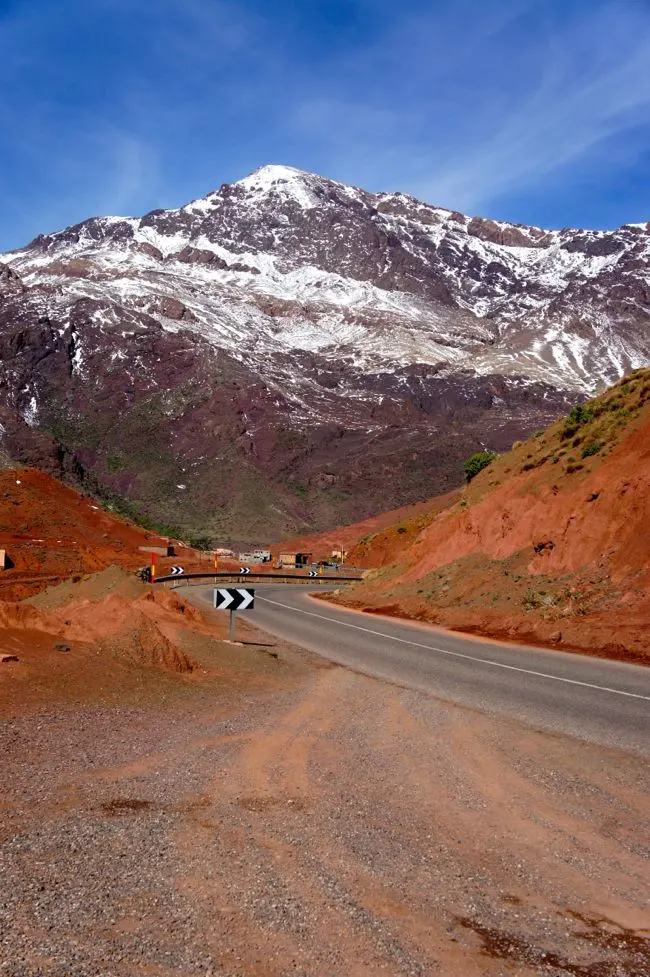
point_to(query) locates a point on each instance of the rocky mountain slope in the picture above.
(266, 358)
(547, 544)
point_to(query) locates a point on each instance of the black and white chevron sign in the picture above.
(313, 573)
(176, 571)
(244, 570)
(234, 599)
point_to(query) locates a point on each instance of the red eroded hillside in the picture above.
(51, 532)
(550, 543)
(357, 539)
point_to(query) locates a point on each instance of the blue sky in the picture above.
(529, 110)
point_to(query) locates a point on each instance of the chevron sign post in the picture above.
(176, 571)
(233, 599)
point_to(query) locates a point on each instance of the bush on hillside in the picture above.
(579, 415)
(200, 542)
(592, 448)
(477, 462)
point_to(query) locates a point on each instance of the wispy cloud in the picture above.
(131, 164)
(125, 105)
(593, 86)
(465, 109)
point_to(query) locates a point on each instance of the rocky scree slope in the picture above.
(266, 358)
(548, 544)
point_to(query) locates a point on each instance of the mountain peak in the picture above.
(272, 173)
(286, 181)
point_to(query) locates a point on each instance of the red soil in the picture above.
(349, 538)
(545, 546)
(51, 532)
(103, 635)
(594, 519)
(111, 638)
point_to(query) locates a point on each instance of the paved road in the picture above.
(593, 699)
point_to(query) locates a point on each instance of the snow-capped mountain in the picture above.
(358, 324)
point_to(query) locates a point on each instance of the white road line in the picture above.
(457, 654)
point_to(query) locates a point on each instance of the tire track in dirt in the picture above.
(271, 784)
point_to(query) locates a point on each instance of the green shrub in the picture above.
(592, 448)
(580, 414)
(477, 462)
(200, 542)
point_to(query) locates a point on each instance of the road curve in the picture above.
(601, 701)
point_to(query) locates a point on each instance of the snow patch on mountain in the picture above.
(285, 262)
(285, 181)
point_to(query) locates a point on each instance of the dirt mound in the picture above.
(51, 532)
(142, 643)
(141, 630)
(113, 580)
(549, 543)
(108, 621)
(116, 613)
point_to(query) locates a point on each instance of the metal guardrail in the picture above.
(258, 577)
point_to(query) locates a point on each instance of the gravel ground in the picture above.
(315, 823)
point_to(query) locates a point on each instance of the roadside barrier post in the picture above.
(232, 626)
(153, 567)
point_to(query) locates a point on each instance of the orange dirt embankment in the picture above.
(368, 543)
(548, 544)
(51, 532)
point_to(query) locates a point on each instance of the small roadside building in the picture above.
(294, 559)
(255, 556)
(263, 556)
